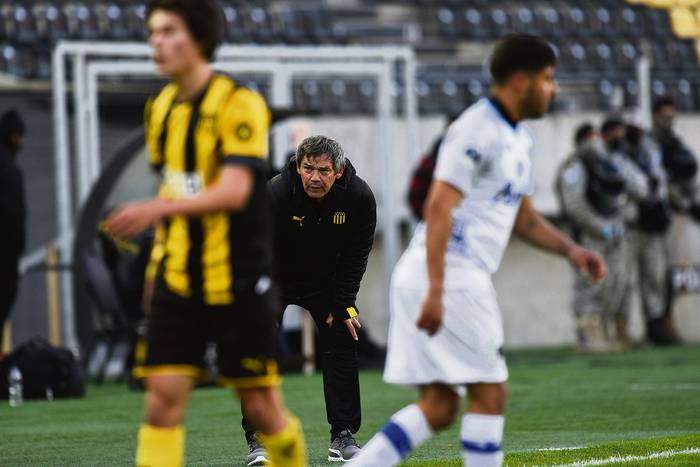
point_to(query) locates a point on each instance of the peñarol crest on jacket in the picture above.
(339, 217)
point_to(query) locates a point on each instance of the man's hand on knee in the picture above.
(351, 323)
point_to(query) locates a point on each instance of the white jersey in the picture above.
(488, 159)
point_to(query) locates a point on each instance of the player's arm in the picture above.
(532, 227)
(442, 198)
(230, 193)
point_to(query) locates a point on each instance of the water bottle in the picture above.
(15, 390)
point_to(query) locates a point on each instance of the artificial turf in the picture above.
(632, 404)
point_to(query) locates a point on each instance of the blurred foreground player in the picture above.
(446, 331)
(208, 138)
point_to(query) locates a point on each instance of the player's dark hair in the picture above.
(319, 145)
(583, 132)
(520, 52)
(610, 124)
(661, 102)
(204, 19)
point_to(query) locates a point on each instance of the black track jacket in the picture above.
(323, 246)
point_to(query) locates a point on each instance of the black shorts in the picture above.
(179, 330)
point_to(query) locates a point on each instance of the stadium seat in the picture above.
(574, 56)
(20, 25)
(475, 89)
(335, 96)
(258, 25)
(659, 3)
(606, 91)
(112, 22)
(631, 93)
(626, 53)
(523, 20)
(684, 95)
(317, 23)
(657, 23)
(599, 19)
(658, 88)
(366, 96)
(601, 55)
(81, 21)
(290, 26)
(684, 22)
(306, 94)
(22, 61)
(423, 95)
(474, 23)
(500, 22)
(575, 21)
(136, 20)
(235, 26)
(447, 22)
(50, 21)
(434, 101)
(7, 53)
(548, 20)
(674, 55)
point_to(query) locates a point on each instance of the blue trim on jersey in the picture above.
(398, 438)
(484, 448)
(501, 110)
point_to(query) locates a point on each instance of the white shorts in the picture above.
(468, 348)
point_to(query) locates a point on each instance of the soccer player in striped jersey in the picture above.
(212, 258)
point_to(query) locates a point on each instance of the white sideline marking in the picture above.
(563, 448)
(654, 386)
(615, 459)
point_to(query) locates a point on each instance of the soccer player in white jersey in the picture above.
(446, 332)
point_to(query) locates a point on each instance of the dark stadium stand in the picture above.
(599, 41)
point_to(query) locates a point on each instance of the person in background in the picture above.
(592, 193)
(325, 217)
(12, 212)
(679, 162)
(423, 174)
(650, 229)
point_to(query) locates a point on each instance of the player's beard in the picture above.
(535, 105)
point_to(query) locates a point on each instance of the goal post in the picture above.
(91, 61)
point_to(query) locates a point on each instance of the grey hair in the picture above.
(319, 145)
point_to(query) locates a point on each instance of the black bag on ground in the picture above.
(45, 369)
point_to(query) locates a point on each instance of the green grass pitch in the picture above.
(641, 407)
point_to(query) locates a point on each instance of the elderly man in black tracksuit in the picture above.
(325, 219)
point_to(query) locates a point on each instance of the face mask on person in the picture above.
(615, 145)
(664, 122)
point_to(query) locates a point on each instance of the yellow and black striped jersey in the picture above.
(213, 255)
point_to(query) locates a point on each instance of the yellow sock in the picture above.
(160, 447)
(288, 447)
